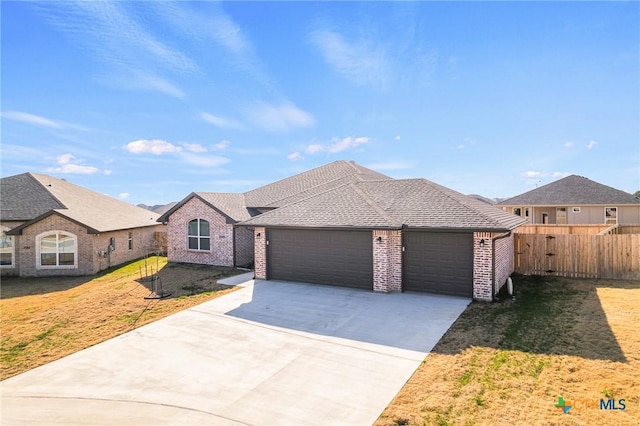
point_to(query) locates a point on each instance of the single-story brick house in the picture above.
(202, 229)
(51, 227)
(575, 200)
(388, 235)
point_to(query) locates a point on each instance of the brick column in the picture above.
(387, 260)
(260, 250)
(482, 273)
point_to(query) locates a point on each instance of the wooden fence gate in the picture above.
(582, 256)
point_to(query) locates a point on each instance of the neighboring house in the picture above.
(201, 228)
(575, 200)
(52, 227)
(388, 235)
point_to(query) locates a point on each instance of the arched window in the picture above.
(57, 249)
(199, 236)
(7, 251)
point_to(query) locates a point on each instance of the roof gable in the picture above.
(97, 212)
(572, 190)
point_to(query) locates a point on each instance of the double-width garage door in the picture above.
(438, 262)
(343, 258)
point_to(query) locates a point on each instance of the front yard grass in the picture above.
(44, 319)
(507, 363)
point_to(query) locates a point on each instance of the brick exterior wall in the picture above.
(387, 260)
(483, 278)
(504, 258)
(482, 266)
(88, 261)
(221, 234)
(244, 246)
(260, 249)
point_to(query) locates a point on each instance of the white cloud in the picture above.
(222, 145)
(280, 118)
(294, 156)
(532, 174)
(154, 146)
(107, 172)
(27, 118)
(223, 123)
(315, 148)
(194, 147)
(124, 195)
(558, 175)
(397, 138)
(461, 146)
(38, 120)
(69, 164)
(591, 145)
(338, 145)
(358, 61)
(568, 144)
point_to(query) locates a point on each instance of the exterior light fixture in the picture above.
(258, 235)
(379, 240)
(482, 242)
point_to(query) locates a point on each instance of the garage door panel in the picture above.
(439, 262)
(321, 256)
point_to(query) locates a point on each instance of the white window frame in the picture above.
(199, 237)
(130, 240)
(576, 209)
(57, 233)
(8, 245)
(606, 220)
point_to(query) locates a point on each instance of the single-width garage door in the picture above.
(438, 262)
(343, 258)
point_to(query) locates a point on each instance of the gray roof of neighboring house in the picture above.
(24, 198)
(572, 190)
(416, 203)
(239, 207)
(31, 196)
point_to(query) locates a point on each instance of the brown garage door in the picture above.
(438, 262)
(343, 258)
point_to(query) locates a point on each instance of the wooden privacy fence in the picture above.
(612, 256)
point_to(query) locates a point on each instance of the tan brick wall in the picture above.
(482, 266)
(143, 245)
(221, 252)
(260, 250)
(89, 261)
(387, 260)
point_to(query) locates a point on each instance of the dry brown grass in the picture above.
(44, 319)
(507, 363)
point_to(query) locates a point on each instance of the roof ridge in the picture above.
(46, 188)
(367, 198)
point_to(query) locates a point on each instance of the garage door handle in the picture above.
(403, 248)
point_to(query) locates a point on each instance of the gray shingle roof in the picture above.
(97, 212)
(23, 197)
(415, 203)
(311, 182)
(572, 190)
(290, 190)
(230, 204)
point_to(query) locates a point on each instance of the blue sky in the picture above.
(149, 101)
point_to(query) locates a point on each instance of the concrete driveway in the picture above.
(270, 353)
